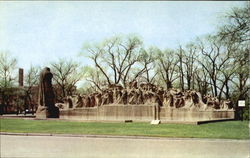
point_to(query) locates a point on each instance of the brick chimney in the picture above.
(20, 79)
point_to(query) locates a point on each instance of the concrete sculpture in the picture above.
(46, 96)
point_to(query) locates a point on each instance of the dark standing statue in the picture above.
(46, 96)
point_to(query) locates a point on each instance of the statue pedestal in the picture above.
(53, 112)
(45, 112)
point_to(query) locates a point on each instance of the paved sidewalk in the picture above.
(74, 146)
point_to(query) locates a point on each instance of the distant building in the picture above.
(19, 99)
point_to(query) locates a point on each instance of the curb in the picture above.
(118, 121)
(121, 137)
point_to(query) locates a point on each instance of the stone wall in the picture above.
(110, 113)
(141, 113)
(167, 114)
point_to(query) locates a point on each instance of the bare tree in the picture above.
(7, 66)
(146, 67)
(180, 55)
(214, 57)
(227, 73)
(167, 66)
(189, 64)
(237, 28)
(32, 77)
(202, 81)
(118, 56)
(31, 80)
(66, 75)
(236, 33)
(95, 77)
(241, 63)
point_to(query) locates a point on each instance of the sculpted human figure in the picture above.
(146, 98)
(110, 97)
(160, 92)
(124, 97)
(134, 84)
(69, 102)
(132, 96)
(166, 98)
(150, 94)
(105, 97)
(178, 102)
(92, 100)
(88, 101)
(195, 97)
(84, 100)
(226, 105)
(216, 103)
(79, 101)
(117, 94)
(46, 96)
(140, 99)
(98, 98)
(143, 86)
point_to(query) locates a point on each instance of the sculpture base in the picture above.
(53, 112)
(45, 112)
(142, 113)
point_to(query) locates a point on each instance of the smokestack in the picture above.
(20, 79)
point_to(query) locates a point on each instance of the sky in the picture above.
(37, 33)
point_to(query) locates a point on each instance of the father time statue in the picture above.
(46, 97)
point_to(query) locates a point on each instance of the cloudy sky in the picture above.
(40, 32)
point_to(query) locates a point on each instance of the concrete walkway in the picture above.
(90, 146)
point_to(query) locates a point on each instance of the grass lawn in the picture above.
(228, 130)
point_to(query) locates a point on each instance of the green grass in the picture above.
(228, 130)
